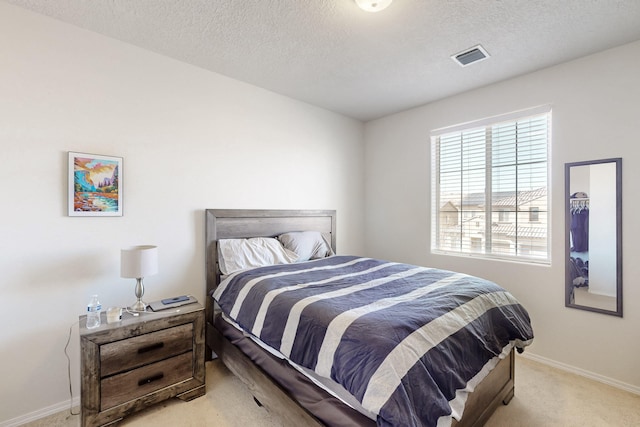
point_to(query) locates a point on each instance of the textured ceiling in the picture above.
(365, 65)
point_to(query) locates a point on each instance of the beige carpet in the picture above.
(544, 397)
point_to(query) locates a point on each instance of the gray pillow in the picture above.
(306, 244)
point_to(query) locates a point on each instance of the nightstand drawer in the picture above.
(138, 351)
(130, 385)
(143, 360)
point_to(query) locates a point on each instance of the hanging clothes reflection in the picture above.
(579, 222)
(579, 262)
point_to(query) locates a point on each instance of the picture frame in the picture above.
(95, 185)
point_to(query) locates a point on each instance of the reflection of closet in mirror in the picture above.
(592, 209)
(579, 239)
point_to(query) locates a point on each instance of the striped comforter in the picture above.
(408, 342)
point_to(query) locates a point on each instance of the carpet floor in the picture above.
(544, 396)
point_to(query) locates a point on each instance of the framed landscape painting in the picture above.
(95, 185)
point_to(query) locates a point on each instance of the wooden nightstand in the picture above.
(140, 361)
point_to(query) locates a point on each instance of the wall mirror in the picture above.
(593, 197)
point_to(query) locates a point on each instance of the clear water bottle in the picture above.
(93, 312)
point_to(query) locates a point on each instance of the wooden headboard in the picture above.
(244, 223)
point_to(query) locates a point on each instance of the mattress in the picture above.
(319, 400)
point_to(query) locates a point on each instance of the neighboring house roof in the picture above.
(449, 206)
(523, 197)
(501, 198)
(523, 231)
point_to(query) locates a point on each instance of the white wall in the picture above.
(595, 115)
(190, 140)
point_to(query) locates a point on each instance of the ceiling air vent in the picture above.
(470, 56)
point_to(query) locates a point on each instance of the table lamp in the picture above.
(137, 262)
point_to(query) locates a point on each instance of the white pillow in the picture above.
(240, 254)
(307, 244)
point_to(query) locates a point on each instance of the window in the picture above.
(493, 175)
(534, 214)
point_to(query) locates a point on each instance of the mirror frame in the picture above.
(567, 195)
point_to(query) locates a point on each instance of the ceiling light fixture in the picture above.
(373, 5)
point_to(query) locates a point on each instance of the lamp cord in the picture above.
(66, 347)
(69, 369)
(133, 313)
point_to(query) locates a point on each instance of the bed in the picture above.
(287, 389)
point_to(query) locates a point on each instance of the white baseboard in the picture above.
(582, 372)
(41, 413)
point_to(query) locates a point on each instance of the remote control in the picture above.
(174, 300)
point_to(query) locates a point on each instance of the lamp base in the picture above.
(138, 306)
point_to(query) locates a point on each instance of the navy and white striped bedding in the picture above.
(404, 340)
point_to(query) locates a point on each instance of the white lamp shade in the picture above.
(139, 261)
(373, 5)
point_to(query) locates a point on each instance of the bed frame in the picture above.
(495, 389)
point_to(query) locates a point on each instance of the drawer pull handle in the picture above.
(151, 379)
(151, 347)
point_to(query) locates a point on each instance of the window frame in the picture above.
(519, 255)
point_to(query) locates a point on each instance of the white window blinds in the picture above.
(487, 180)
